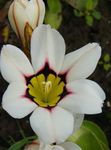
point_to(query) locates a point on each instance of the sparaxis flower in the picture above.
(25, 16)
(54, 87)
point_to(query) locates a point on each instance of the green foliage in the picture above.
(85, 4)
(90, 137)
(89, 20)
(89, 5)
(53, 13)
(78, 13)
(106, 58)
(53, 19)
(106, 62)
(96, 14)
(20, 144)
(87, 9)
(54, 6)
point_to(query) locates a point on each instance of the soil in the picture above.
(76, 34)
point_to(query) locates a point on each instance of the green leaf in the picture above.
(53, 13)
(78, 13)
(106, 57)
(18, 145)
(89, 5)
(90, 137)
(95, 3)
(54, 6)
(54, 19)
(107, 67)
(101, 63)
(96, 131)
(83, 5)
(89, 20)
(96, 14)
(80, 4)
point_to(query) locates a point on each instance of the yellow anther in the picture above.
(47, 86)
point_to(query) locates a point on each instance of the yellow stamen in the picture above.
(46, 91)
(47, 86)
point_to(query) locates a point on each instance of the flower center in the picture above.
(46, 91)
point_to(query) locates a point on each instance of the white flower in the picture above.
(26, 15)
(54, 87)
(36, 145)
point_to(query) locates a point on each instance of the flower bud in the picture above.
(25, 16)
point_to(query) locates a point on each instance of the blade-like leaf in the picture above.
(90, 137)
(18, 145)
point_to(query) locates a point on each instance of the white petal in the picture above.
(11, 18)
(78, 120)
(14, 64)
(42, 11)
(35, 12)
(41, 123)
(70, 146)
(52, 125)
(19, 19)
(63, 124)
(50, 147)
(72, 57)
(15, 102)
(63, 146)
(47, 45)
(86, 97)
(82, 62)
(56, 147)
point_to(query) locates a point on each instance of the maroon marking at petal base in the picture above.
(46, 70)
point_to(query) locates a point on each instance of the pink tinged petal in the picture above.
(47, 45)
(14, 101)
(82, 62)
(70, 146)
(87, 97)
(14, 64)
(52, 125)
(33, 146)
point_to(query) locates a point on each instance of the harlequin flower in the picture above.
(36, 145)
(53, 86)
(25, 16)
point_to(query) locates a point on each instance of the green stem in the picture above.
(20, 129)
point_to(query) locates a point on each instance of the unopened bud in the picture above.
(25, 16)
